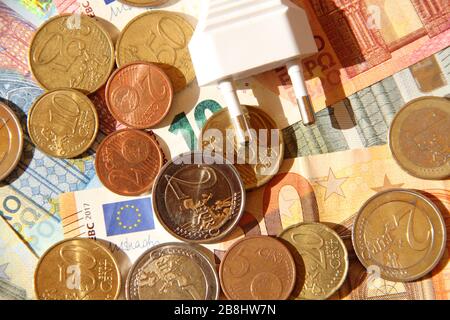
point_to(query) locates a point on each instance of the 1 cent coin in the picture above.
(63, 123)
(321, 260)
(128, 161)
(419, 138)
(11, 141)
(257, 268)
(258, 161)
(401, 232)
(197, 199)
(172, 271)
(164, 42)
(71, 51)
(77, 269)
(139, 95)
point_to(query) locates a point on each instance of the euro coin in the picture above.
(63, 123)
(256, 162)
(321, 260)
(139, 95)
(197, 198)
(71, 51)
(401, 233)
(11, 141)
(159, 37)
(257, 268)
(173, 271)
(128, 161)
(77, 269)
(419, 138)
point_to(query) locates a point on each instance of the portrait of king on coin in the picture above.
(63, 123)
(198, 202)
(71, 51)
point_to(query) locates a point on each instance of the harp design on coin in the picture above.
(166, 273)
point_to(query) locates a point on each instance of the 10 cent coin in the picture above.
(63, 123)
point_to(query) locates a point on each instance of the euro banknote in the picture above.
(360, 42)
(17, 264)
(28, 196)
(329, 188)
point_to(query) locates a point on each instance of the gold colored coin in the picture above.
(160, 37)
(419, 138)
(11, 141)
(144, 3)
(63, 123)
(401, 233)
(257, 162)
(71, 51)
(321, 260)
(77, 269)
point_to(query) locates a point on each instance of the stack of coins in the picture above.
(199, 197)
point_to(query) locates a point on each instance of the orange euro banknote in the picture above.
(361, 42)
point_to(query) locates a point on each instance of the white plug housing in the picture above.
(236, 39)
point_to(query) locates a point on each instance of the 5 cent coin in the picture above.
(321, 260)
(173, 271)
(11, 141)
(77, 269)
(401, 232)
(197, 199)
(164, 42)
(139, 95)
(419, 138)
(128, 161)
(63, 123)
(71, 51)
(257, 268)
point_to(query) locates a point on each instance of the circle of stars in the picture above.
(131, 226)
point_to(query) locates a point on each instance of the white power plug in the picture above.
(236, 39)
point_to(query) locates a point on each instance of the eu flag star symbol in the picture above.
(128, 216)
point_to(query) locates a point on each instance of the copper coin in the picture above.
(173, 271)
(139, 95)
(419, 138)
(128, 161)
(401, 233)
(11, 141)
(257, 268)
(198, 198)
